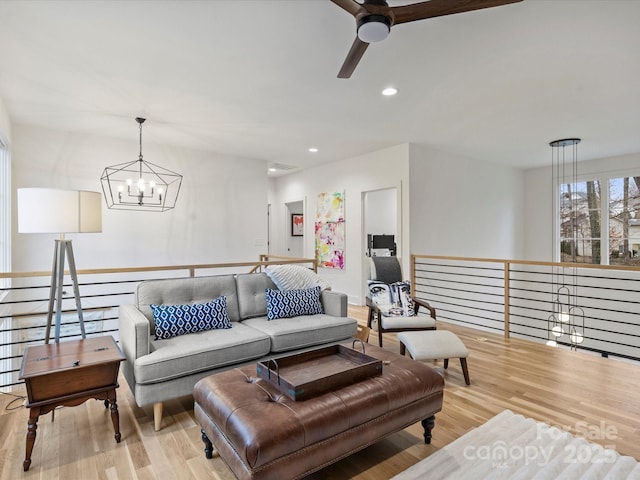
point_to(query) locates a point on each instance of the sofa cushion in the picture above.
(293, 303)
(251, 294)
(198, 352)
(174, 320)
(304, 331)
(176, 291)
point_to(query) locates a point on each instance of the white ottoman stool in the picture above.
(433, 345)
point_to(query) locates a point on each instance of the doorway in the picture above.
(294, 229)
(380, 213)
(379, 217)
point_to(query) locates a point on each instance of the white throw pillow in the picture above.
(295, 277)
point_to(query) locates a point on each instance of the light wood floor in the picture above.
(595, 397)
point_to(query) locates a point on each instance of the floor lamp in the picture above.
(48, 210)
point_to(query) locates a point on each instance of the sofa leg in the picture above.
(157, 415)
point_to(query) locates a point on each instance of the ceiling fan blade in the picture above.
(439, 8)
(353, 58)
(351, 6)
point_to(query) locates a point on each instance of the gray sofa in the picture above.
(159, 370)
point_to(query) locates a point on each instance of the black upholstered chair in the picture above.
(388, 271)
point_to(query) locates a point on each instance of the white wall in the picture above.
(538, 244)
(449, 205)
(464, 207)
(388, 168)
(220, 216)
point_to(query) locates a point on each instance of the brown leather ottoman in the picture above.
(262, 434)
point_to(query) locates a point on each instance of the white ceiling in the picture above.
(257, 78)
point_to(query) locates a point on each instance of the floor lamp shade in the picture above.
(50, 210)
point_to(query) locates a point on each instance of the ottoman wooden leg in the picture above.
(465, 370)
(446, 363)
(428, 424)
(208, 446)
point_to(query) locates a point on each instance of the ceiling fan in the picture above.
(374, 19)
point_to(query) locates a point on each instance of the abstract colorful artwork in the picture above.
(330, 207)
(330, 230)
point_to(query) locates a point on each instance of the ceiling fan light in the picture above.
(373, 28)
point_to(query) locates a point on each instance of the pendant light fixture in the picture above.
(140, 185)
(565, 325)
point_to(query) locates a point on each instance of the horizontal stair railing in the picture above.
(24, 299)
(516, 298)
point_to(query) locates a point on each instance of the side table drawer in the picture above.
(70, 382)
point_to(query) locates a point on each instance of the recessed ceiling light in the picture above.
(389, 91)
(271, 169)
(313, 150)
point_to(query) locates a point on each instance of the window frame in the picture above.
(603, 178)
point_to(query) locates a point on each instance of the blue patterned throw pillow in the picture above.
(292, 303)
(174, 320)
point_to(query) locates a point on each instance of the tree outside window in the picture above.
(624, 221)
(583, 231)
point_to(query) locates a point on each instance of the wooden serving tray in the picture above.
(311, 373)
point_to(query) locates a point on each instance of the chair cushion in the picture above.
(393, 300)
(293, 303)
(173, 320)
(412, 322)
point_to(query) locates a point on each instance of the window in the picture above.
(600, 221)
(624, 221)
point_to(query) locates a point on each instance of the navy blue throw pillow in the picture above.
(292, 303)
(174, 320)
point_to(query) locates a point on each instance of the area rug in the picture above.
(513, 447)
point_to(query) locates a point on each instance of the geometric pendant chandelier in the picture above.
(565, 324)
(140, 185)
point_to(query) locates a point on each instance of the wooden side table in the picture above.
(70, 373)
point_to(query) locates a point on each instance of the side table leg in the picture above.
(32, 426)
(428, 424)
(115, 416)
(208, 446)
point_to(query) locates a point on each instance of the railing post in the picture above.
(413, 273)
(507, 269)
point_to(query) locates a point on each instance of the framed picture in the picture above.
(297, 225)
